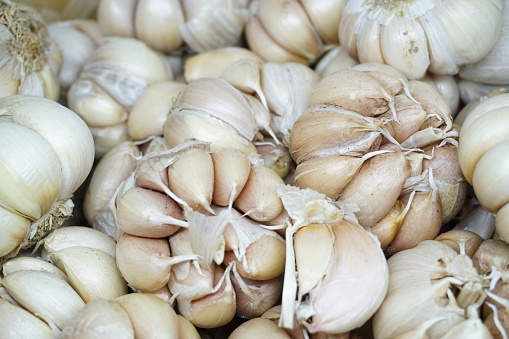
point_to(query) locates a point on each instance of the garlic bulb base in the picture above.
(60, 211)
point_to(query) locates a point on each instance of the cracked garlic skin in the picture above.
(30, 60)
(417, 35)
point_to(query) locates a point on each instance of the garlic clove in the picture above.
(258, 328)
(150, 316)
(264, 45)
(334, 60)
(186, 329)
(313, 246)
(99, 319)
(16, 322)
(32, 264)
(325, 17)
(432, 102)
(149, 214)
(213, 63)
(275, 156)
(150, 111)
(502, 221)
(410, 115)
(460, 240)
(368, 42)
(156, 23)
(388, 227)
(259, 198)
(191, 178)
(14, 229)
(44, 293)
(92, 273)
(71, 236)
(244, 75)
(448, 88)
(116, 17)
(231, 172)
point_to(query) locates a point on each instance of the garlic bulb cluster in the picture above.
(111, 81)
(79, 266)
(189, 224)
(46, 153)
(271, 28)
(170, 24)
(336, 274)
(437, 292)
(135, 315)
(385, 147)
(30, 59)
(492, 71)
(420, 35)
(76, 39)
(482, 148)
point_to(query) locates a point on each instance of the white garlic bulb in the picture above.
(45, 155)
(414, 36)
(30, 59)
(166, 25)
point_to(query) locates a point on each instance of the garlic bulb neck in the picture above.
(27, 36)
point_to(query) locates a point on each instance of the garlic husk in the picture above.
(254, 297)
(213, 63)
(71, 236)
(30, 59)
(479, 221)
(16, 322)
(76, 39)
(275, 156)
(32, 264)
(258, 198)
(92, 273)
(44, 293)
(146, 213)
(146, 263)
(258, 328)
(99, 318)
(150, 111)
(415, 37)
(109, 173)
(150, 316)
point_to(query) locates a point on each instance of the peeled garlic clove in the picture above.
(109, 173)
(258, 328)
(44, 293)
(99, 319)
(14, 229)
(146, 263)
(191, 178)
(377, 186)
(16, 322)
(213, 63)
(231, 172)
(92, 273)
(32, 264)
(71, 236)
(150, 214)
(150, 111)
(259, 198)
(150, 316)
(186, 329)
(254, 297)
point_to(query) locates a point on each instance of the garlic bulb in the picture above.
(63, 10)
(385, 153)
(167, 25)
(30, 59)
(483, 139)
(270, 31)
(46, 154)
(77, 39)
(111, 81)
(417, 36)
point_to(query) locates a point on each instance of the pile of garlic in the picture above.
(30, 59)
(42, 295)
(46, 153)
(384, 147)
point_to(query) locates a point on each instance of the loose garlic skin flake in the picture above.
(414, 36)
(46, 154)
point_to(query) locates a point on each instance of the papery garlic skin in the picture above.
(30, 59)
(47, 153)
(416, 36)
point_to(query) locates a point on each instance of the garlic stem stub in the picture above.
(416, 36)
(30, 60)
(46, 154)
